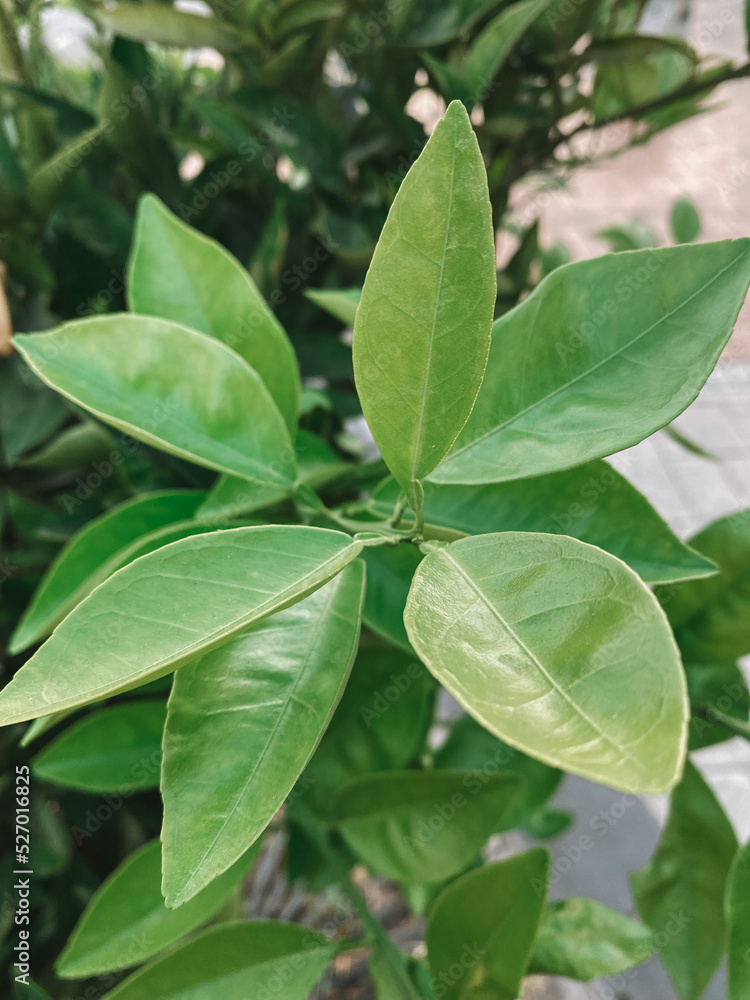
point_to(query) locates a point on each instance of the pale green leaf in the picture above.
(243, 722)
(179, 274)
(422, 330)
(680, 892)
(235, 962)
(738, 922)
(169, 386)
(423, 826)
(601, 354)
(170, 606)
(341, 303)
(83, 562)
(584, 939)
(594, 503)
(559, 649)
(127, 921)
(482, 927)
(115, 750)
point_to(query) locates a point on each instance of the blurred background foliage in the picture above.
(283, 129)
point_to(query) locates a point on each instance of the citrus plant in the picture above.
(303, 611)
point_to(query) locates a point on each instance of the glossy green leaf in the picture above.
(423, 826)
(685, 221)
(594, 503)
(484, 925)
(169, 386)
(174, 273)
(84, 562)
(168, 607)
(560, 650)
(243, 723)
(389, 574)
(422, 330)
(680, 892)
(234, 962)
(127, 922)
(711, 618)
(738, 923)
(567, 364)
(115, 750)
(340, 303)
(155, 22)
(583, 939)
(381, 722)
(471, 747)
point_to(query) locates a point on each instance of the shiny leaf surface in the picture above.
(243, 722)
(567, 364)
(560, 650)
(150, 617)
(422, 330)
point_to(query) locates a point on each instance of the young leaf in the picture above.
(583, 939)
(559, 649)
(127, 922)
(234, 962)
(472, 748)
(680, 892)
(175, 272)
(243, 722)
(593, 503)
(115, 750)
(482, 927)
(423, 826)
(422, 330)
(169, 386)
(567, 365)
(738, 922)
(69, 578)
(711, 618)
(168, 607)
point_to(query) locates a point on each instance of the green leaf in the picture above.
(560, 650)
(168, 607)
(381, 721)
(594, 503)
(680, 892)
(174, 273)
(711, 618)
(484, 924)
(422, 330)
(155, 22)
(243, 722)
(493, 45)
(74, 446)
(234, 962)
(583, 939)
(340, 303)
(127, 922)
(29, 412)
(567, 364)
(469, 747)
(115, 750)
(423, 826)
(685, 221)
(389, 574)
(738, 922)
(92, 555)
(169, 386)
(47, 183)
